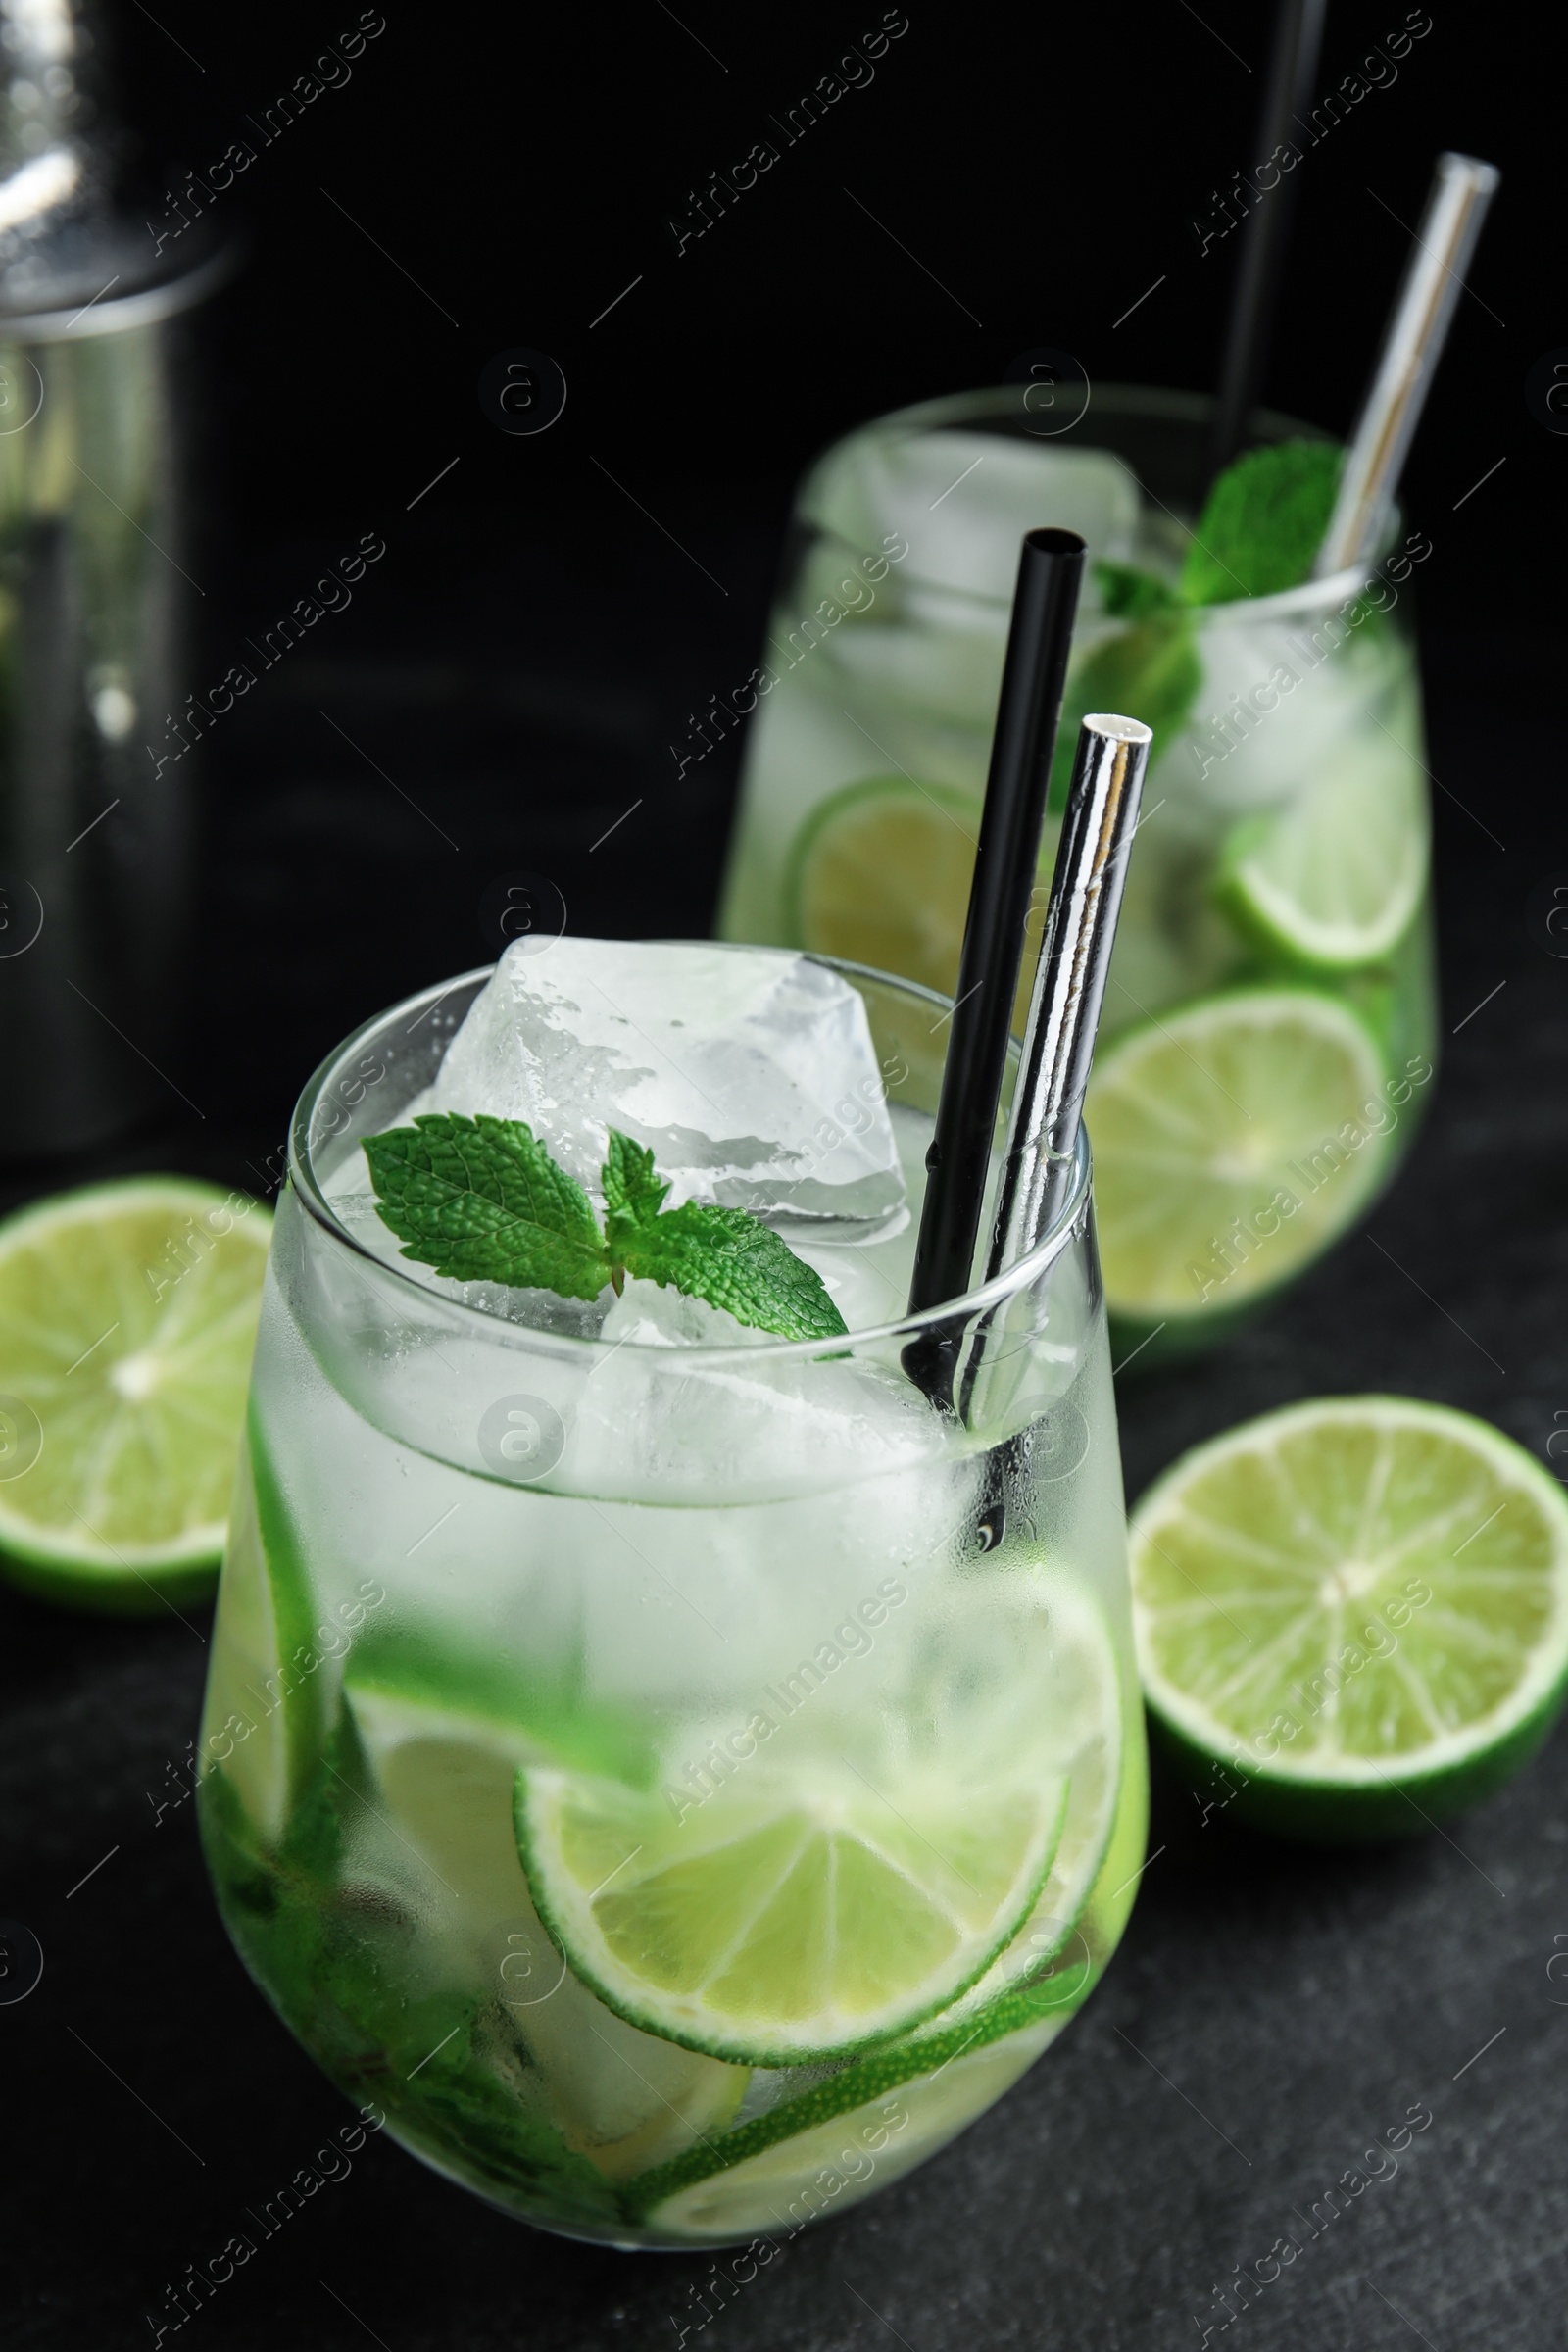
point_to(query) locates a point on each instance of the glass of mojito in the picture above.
(667, 1769)
(1268, 1032)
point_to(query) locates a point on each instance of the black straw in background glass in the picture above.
(1293, 65)
(1045, 603)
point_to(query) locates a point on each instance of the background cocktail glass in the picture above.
(483, 1575)
(1298, 1014)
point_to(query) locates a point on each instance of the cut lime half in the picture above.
(1234, 1140)
(127, 1313)
(1352, 1615)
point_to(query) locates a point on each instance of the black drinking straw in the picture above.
(1050, 570)
(1293, 64)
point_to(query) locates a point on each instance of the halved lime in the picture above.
(1234, 1140)
(1335, 879)
(127, 1313)
(881, 875)
(1352, 1615)
(445, 1779)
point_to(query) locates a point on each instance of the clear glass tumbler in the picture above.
(1269, 1025)
(676, 1789)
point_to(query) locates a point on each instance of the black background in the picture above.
(511, 675)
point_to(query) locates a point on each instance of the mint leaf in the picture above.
(733, 1260)
(480, 1200)
(1130, 593)
(1261, 526)
(1262, 522)
(633, 1193)
(724, 1256)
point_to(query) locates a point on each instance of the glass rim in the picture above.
(979, 1301)
(1155, 401)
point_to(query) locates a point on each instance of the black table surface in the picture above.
(1274, 2009)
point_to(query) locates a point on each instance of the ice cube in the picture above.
(1275, 710)
(964, 502)
(748, 1073)
(652, 1314)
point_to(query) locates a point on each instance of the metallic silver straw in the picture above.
(1108, 781)
(1412, 344)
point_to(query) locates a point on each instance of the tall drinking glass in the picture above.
(1269, 1023)
(676, 1789)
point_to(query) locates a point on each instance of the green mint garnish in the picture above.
(1131, 594)
(480, 1200)
(1262, 524)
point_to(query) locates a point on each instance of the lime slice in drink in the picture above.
(1334, 880)
(1023, 2001)
(127, 1313)
(1093, 1730)
(1233, 1141)
(1352, 1615)
(825, 2163)
(881, 875)
(265, 1718)
(445, 1781)
(796, 1914)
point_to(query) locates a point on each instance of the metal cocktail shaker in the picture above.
(96, 607)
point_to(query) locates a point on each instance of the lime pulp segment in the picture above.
(1359, 1606)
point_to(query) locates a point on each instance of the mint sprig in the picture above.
(1261, 526)
(1262, 522)
(480, 1200)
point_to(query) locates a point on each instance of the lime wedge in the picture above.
(1334, 880)
(1352, 1615)
(1233, 1142)
(881, 875)
(619, 2097)
(127, 1313)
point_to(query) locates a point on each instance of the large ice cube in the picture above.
(964, 500)
(748, 1073)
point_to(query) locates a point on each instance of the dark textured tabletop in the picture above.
(502, 695)
(1274, 2011)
